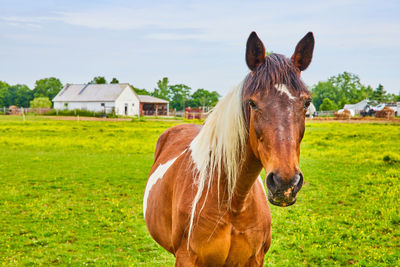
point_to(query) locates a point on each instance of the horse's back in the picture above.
(157, 202)
(174, 141)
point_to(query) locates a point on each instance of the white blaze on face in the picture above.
(154, 177)
(281, 88)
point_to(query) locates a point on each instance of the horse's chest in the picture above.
(229, 246)
(245, 244)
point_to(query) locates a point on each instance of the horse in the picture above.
(204, 200)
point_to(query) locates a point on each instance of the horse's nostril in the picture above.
(299, 183)
(271, 184)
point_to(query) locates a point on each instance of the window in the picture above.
(103, 104)
(66, 105)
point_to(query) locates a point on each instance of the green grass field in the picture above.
(71, 194)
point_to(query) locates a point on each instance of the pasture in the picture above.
(71, 194)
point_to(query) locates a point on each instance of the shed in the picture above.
(150, 105)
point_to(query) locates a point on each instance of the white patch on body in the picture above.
(281, 88)
(154, 177)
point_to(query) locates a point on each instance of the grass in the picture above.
(71, 194)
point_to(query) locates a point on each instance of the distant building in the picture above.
(119, 98)
(150, 105)
(358, 107)
(311, 110)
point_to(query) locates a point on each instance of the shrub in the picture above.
(391, 158)
(76, 112)
(327, 105)
(40, 102)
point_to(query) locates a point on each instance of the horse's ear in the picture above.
(304, 51)
(255, 51)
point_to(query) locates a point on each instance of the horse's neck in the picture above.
(250, 171)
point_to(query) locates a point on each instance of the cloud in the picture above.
(348, 33)
(174, 36)
(332, 22)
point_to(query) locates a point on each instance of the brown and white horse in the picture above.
(204, 201)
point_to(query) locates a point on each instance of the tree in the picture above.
(323, 90)
(349, 87)
(141, 91)
(9, 97)
(23, 95)
(203, 98)
(395, 98)
(48, 87)
(328, 104)
(3, 91)
(163, 89)
(41, 102)
(98, 80)
(179, 95)
(341, 89)
(379, 94)
(114, 80)
(18, 95)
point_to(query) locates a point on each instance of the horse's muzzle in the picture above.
(282, 193)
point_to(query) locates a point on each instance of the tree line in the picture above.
(346, 88)
(333, 94)
(179, 95)
(22, 96)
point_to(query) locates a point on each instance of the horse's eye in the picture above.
(307, 103)
(252, 104)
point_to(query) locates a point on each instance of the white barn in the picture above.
(119, 98)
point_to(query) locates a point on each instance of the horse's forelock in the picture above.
(276, 69)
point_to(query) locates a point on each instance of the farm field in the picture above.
(71, 194)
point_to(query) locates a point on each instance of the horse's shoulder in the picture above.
(174, 140)
(188, 130)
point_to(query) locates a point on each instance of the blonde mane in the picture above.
(219, 148)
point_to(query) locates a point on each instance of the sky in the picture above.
(198, 43)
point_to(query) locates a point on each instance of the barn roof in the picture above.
(358, 106)
(151, 99)
(90, 92)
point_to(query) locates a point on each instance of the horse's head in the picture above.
(275, 102)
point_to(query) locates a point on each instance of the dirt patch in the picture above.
(73, 118)
(354, 120)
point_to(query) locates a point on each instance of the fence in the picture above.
(174, 113)
(195, 113)
(324, 113)
(13, 110)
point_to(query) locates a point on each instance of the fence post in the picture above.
(23, 114)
